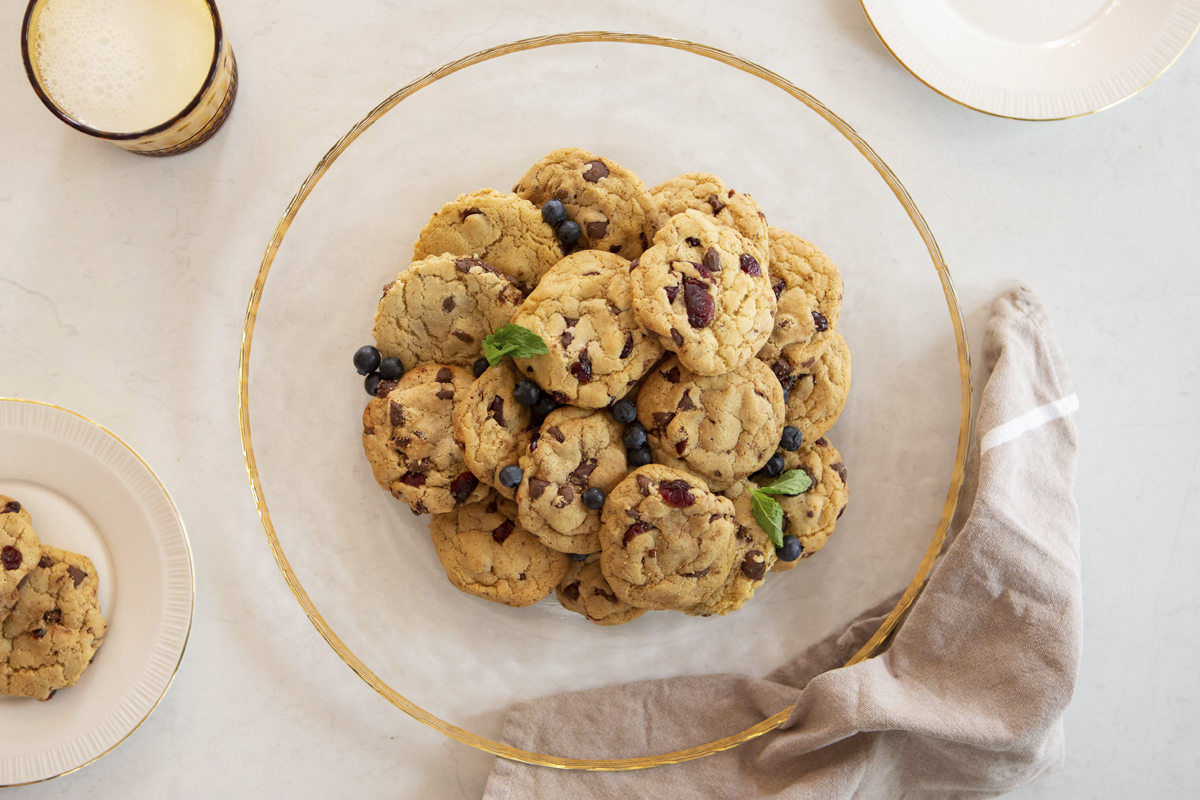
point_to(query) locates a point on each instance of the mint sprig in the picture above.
(515, 341)
(767, 511)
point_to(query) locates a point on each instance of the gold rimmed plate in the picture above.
(362, 565)
(89, 492)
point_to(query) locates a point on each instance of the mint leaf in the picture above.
(513, 340)
(792, 482)
(768, 514)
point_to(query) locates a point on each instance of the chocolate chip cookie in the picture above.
(489, 423)
(811, 516)
(440, 309)
(575, 449)
(611, 205)
(54, 630)
(720, 428)
(753, 557)
(503, 230)
(666, 542)
(487, 553)
(705, 294)
(19, 551)
(809, 291)
(818, 389)
(586, 591)
(707, 194)
(583, 309)
(408, 436)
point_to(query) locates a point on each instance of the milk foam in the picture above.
(123, 65)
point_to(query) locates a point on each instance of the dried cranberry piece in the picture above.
(53, 616)
(627, 350)
(692, 241)
(10, 557)
(778, 287)
(636, 529)
(11, 507)
(582, 369)
(462, 486)
(820, 321)
(672, 293)
(681, 446)
(503, 532)
(413, 479)
(672, 374)
(749, 265)
(700, 304)
(38, 634)
(677, 494)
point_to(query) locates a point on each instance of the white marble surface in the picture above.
(123, 283)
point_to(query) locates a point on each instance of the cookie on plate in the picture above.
(611, 205)
(19, 551)
(503, 230)
(708, 194)
(583, 309)
(576, 449)
(487, 553)
(808, 288)
(408, 436)
(701, 289)
(753, 557)
(586, 591)
(811, 516)
(54, 630)
(817, 391)
(490, 423)
(720, 428)
(667, 542)
(441, 308)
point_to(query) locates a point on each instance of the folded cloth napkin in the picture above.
(967, 699)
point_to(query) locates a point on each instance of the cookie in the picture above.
(753, 557)
(583, 309)
(611, 205)
(701, 289)
(54, 630)
(666, 542)
(504, 230)
(720, 428)
(586, 591)
(575, 449)
(808, 288)
(440, 309)
(707, 194)
(811, 516)
(489, 423)
(19, 551)
(487, 553)
(408, 436)
(818, 390)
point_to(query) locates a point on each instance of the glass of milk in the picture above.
(156, 77)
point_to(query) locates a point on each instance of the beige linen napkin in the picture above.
(965, 702)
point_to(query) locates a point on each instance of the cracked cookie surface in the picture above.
(708, 194)
(53, 632)
(808, 288)
(487, 553)
(490, 424)
(753, 557)
(440, 309)
(666, 542)
(586, 591)
(503, 230)
(575, 449)
(720, 428)
(812, 515)
(583, 310)
(611, 205)
(19, 551)
(818, 390)
(408, 436)
(702, 291)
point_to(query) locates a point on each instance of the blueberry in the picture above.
(634, 436)
(480, 367)
(579, 556)
(544, 406)
(639, 457)
(791, 549)
(366, 359)
(511, 476)
(391, 369)
(527, 393)
(791, 438)
(624, 411)
(554, 213)
(774, 465)
(593, 498)
(568, 233)
(372, 383)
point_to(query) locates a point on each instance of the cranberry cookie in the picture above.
(707, 194)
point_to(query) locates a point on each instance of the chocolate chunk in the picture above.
(742, 534)
(503, 532)
(692, 241)
(712, 260)
(636, 529)
(609, 596)
(716, 204)
(561, 399)
(754, 566)
(386, 288)
(571, 591)
(644, 483)
(420, 508)
(677, 337)
(448, 305)
(582, 368)
(778, 287)
(496, 409)
(444, 375)
(597, 230)
(462, 486)
(782, 369)
(713, 518)
(11, 507)
(534, 440)
(77, 575)
(671, 375)
(685, 402)
(820, 321)
(645, 244)
(808, 362)
(595, 171)
(395, 413)
(555, 433)
(822, 442)
(749, 265)
(567, 493)
(616, 248)
(662, 419)
(841, 511)
(53, 616)
(10, 557)
(493, 507)
(840, 469)
(445, 394)
(627, 350)
(633, 513)
(537, 488)
(570, 321)
(698, 574)
(467, 212)
(384, 388)
(467, 264)
(45, 563)
(579, 476)
(672, 293)
(565, 338)
(812, 479)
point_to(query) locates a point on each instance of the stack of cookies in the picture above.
(690, 355)
(49, 612)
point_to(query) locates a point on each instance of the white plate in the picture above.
(1035, 59)
(88, 492)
